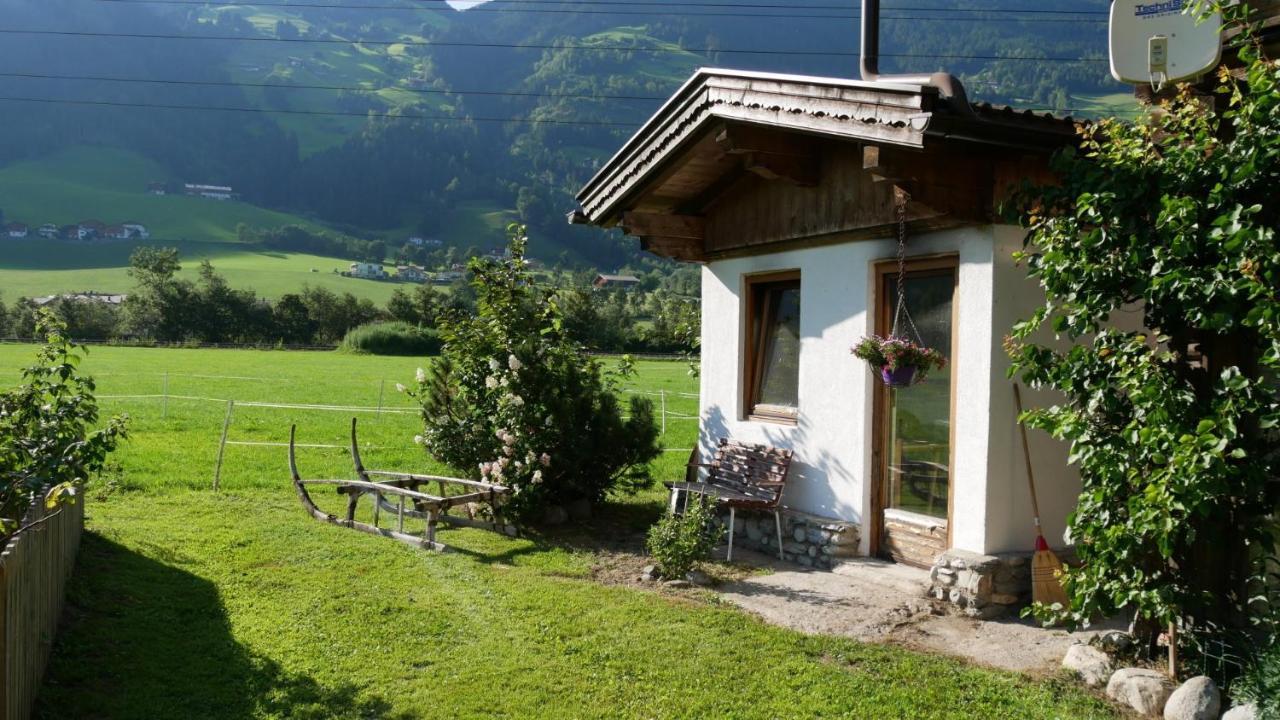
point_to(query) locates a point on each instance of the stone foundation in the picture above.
(807, 540)
(984, 586)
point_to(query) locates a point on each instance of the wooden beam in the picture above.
(685, 249)
(740, 139)
(798, 170)
(687, 227)
(772, 155)
(880, 166)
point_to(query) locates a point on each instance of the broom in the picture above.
(1046, 588)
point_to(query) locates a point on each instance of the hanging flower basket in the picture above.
(901, 362)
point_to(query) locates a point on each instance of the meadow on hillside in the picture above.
(110, 185)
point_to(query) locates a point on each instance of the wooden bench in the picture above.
(750, 477)
(412, 501)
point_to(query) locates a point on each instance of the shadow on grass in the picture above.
(145, 639)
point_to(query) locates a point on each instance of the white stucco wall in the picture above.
(832, 438)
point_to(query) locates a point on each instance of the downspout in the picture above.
(948, 85)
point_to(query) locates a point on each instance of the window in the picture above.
(773, 347)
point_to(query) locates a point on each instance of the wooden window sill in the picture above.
(778, 418)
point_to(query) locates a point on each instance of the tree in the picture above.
(512, 400)
(1171, 221)
(50, 433)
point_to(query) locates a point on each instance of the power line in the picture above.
(529, 46)
(634, 3)
(351, 88)
(630, 3)
(650, 12)
(492, 93)
(339, 113)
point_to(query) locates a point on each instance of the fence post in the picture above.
(382, 389)
(663, 395)
(222, 446)
(164, 406)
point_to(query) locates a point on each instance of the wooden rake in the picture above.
(1046, 568)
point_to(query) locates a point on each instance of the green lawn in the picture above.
(193, 604)
(35, 267)
(110, 185)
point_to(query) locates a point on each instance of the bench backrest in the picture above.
(757, 470)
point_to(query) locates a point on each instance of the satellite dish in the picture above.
(1154, 41)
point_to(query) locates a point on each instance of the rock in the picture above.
(989, 612)
(1004, 598)
(818, 536)
(805, 560)
(752, 528)
(1143, 690)
(580, 510)
(1248, 711)
(697, 577)
(555, 515)
(1091, 664)
(649, 573)
(847, 536)
(1115, 641)
(1195, 699)
(799, 533)
(677, 584)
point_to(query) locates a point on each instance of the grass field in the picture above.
(31, 268)
(110, 186)
(188, 603)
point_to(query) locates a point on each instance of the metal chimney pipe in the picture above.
(948, 85)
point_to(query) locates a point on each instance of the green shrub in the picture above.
(1261, 684)
(49, 433)
(514, 400)
(678, 542)
(391, 338)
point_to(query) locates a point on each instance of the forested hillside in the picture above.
(389, 117)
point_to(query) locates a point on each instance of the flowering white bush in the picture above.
(513, 400)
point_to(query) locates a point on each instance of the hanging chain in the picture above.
(900, 197)
(900, 208)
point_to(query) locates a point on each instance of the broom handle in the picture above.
(1026, 456)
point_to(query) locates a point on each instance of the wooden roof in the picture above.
(725, 132)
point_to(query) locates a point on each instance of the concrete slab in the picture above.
(875, 600)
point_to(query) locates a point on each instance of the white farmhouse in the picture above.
(786, 190)
(15, 230)
(367, 270)
(136, 230)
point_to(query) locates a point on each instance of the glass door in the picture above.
(914, 423)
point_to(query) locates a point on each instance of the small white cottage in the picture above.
(784, 188)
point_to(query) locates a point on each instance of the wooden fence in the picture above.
(34, 567)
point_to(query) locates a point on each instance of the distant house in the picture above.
(158, 188)
(368, 271)
(48, 231)
(616, 281)
(136, 230)
(411, 273)
(115, 232)
(446, 277)
(105, 298)
(90, 229)
(213, 192)
(15, 230)
(70, 232)
(418, 241)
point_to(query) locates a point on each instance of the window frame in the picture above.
(882, 270)
(756, 293)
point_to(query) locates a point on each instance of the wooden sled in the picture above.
(401, 496)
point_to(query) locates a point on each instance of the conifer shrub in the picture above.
(391, 338)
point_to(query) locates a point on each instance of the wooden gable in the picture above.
(792, 161)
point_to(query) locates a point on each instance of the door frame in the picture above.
(881, 269)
